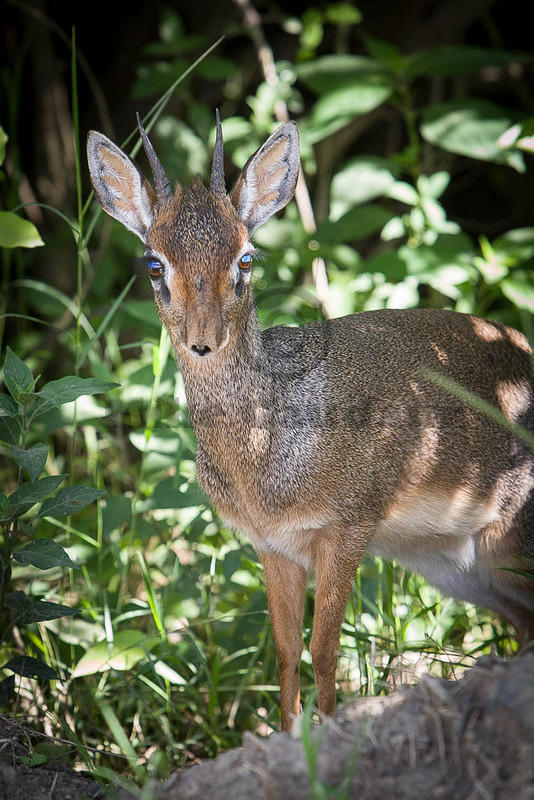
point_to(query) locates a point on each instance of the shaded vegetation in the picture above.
(416, 141)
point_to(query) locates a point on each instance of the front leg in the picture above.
(336, 558)
(286, 584)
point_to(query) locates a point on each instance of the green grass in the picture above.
(171, 658)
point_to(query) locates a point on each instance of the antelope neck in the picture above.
(223, 392)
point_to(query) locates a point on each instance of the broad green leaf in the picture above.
(362, 179)
(520, 292)
(35, 760)
(128, 648)
(470, 127)
(69, 500)
(389, 264)
(455, 60)
(355, 224)
(516, 245)
(28, 494)
(330, 72)
(394, 229)
(17, 375)
(18, 232)
(162, 440)
(29, 667)
(404, 193)
(10, 430)
(342, 255)
(44, 554)
(8, 407)
(69, 388)
(236, 129)
(116, 511)
(445, 265)
(337, 108)
(343, 14)
(29, 610)
(32, 460)
(433, 185)
(491, 270)
(168, 495)
(5, 511)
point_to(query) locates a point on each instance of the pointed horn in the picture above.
(163, 185)
(217, 167)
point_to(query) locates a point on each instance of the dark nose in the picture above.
(201, 349)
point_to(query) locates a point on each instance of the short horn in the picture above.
(163, 185)
(217, 166)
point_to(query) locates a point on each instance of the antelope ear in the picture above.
(267, 182)
(119, 187)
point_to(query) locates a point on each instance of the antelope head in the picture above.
(197, 239)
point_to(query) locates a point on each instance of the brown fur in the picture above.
(325, 441)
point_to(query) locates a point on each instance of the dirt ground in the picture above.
(471, 739)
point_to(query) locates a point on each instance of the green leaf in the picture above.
(7, 407)
(44, 554)
(516, 245)
(10, 430)
(337, 108)
(470, 127)
(3, 141)
(17, 375)
(330, 72)
(18, 232)
(29, 667)
(28, 494)
(343, 14)
(28, 610)
(360, 180)
(69, 388)
(128, 648)
(355, 224)
(69, 500)
(116, 511)
(520, 292)
(168, 495)
(32, 460)
(455, 60)
(403, 192)
(34, 760)
(445, 265)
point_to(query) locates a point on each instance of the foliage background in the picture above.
(415, 121)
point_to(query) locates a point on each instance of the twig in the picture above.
(252, 22)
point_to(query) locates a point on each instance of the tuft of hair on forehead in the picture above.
(198, 224)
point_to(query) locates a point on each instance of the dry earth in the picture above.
(471, 739)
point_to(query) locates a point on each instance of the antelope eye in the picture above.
(155, 268)
(245, 262)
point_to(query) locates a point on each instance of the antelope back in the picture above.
(197, 239)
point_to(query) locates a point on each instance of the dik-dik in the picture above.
(333, 439)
